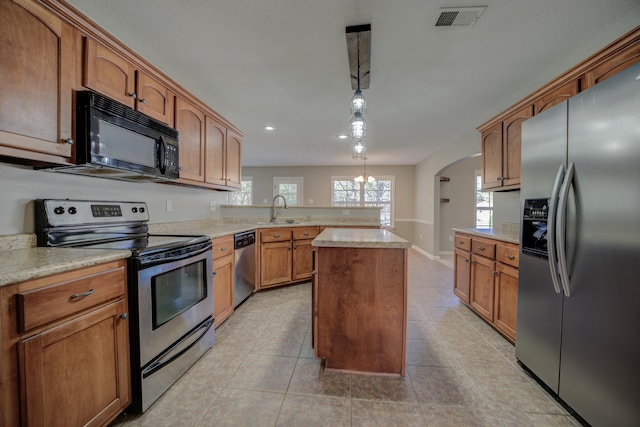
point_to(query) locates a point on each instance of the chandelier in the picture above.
(364, 177)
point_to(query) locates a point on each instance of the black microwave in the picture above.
(117, 142)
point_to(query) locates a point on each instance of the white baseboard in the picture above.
(425, 253)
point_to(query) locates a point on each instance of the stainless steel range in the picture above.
(170, 282)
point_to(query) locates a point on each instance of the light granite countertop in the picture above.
(503, 235)
(359, 238)
(19, 265)
(20, 261)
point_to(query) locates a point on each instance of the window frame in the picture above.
(477, 188)
(242, 181)
(363, 203)
(298, 181)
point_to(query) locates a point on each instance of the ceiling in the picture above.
(284, 63)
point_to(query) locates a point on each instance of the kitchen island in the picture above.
(359, 300)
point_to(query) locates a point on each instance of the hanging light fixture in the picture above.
(358, 49)
(358, 150)
(364, 177)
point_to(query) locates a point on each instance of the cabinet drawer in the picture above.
(484, 248)
(222, 246)
(302, 233)
(463, 242)
(508, 255)
(41, 306)
(275, 235)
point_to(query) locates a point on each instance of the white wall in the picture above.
(20, 185)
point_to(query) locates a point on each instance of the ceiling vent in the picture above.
(459, 16)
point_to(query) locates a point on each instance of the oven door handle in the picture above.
(178, 349)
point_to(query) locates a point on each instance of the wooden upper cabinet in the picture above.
(216, 135)
(512, 143)
(492, 157)
(233, 160)
(37, 65)
(115, 77)
(108, 73)
(154, 99)
(190, 123)
(613, 65)
(556, 96)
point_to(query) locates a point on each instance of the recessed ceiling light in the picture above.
(269, 128)
(343, 136)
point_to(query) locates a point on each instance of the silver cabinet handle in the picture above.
(124, 315)
(275, 236)
(551, 229)
(82, 295)
(511, 257)
(142, 100)
(305, 234)
(482, 248)
(69, 141)
(132, 95)
(223, 249)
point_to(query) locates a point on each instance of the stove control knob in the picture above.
(141, 210)
(59, 210)
(134, 210)
(73, 210)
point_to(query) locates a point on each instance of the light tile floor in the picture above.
(261, 371)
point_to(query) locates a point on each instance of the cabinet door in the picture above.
(612, 66)
(108, 73)
(214, 168)
(37, 65)
(77, 373)
(556, 96)
(275, 263)
(154, 99)
(512, 143)
(233, 163)
(462, 275)
(190, 123)
(492, 157)
(506, 300)
(302, 259)
(222, 289)
(482, 286)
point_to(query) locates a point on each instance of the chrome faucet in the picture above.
(273, 214)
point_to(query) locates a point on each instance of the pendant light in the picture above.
(358, 48)
(357, 127)
(364, 177)
(358, 150)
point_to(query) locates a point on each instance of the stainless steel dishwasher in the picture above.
(245, 266)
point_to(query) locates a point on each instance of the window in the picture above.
(347, 192)
(245, 195)
(290, 188)
(484, 205)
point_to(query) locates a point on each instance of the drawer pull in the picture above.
(306, 234)
(275, 236)
(223, 249)
(124, 315)
(482, 248)
(511, 257)
(82, 295)
(461, 242)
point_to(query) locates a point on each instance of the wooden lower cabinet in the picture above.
(462, 275)
(286, 255)
(486, 279)
(506, 300)
(482, 286)
(65, 355)
(223, 279)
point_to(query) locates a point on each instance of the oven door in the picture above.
(173, 298)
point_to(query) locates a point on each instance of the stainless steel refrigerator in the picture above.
(578, 326)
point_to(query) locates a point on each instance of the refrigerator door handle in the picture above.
(551, 230)
(561, 235)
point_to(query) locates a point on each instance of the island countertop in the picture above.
(359, 238)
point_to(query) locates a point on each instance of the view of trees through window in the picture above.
(347, 192)
(245, 195)
(484, 205)
(290, 193)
